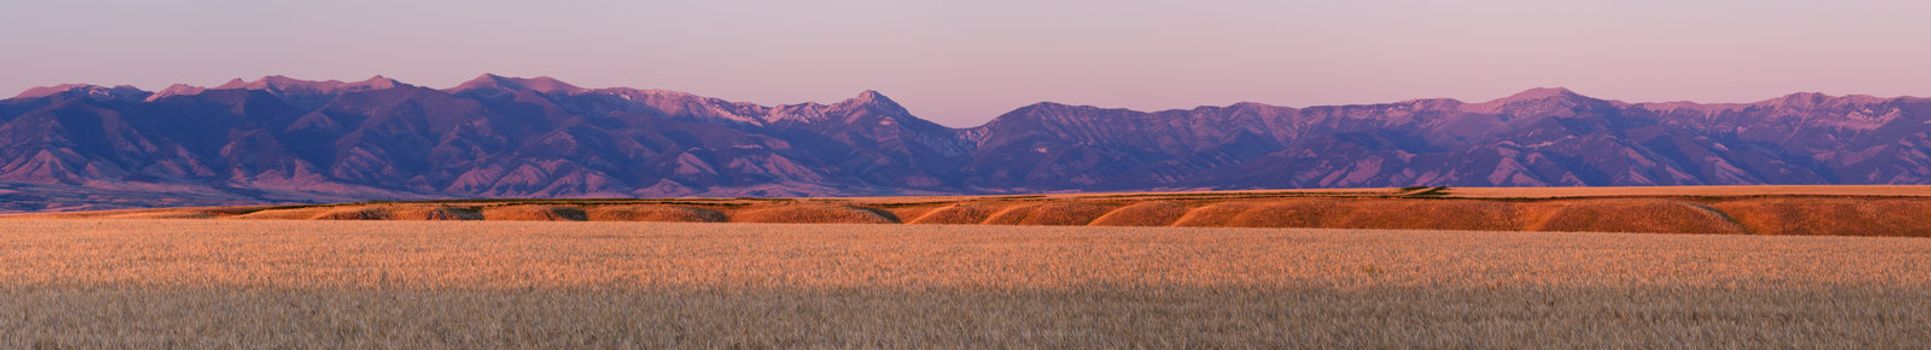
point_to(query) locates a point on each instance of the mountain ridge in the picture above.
(554, 85)
(280, 139)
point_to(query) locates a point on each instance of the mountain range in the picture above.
(279, 139)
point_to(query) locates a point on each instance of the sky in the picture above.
(961, 63)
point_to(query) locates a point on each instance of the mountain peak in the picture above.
(44, 91)
(286, 84)
(1537, 99)
(869, 101)
(378, 82)
(1041, 109)
(176, 90)
(1046, 104)
(263, 82)
(1543, 93)
(541, 84)
(1816, 99)
(117, 92)
(873, 97)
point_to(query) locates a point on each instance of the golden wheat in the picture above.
(396, 284)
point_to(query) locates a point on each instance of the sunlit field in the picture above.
(1753, 210)
(422, 284)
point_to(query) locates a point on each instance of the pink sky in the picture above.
(964, 62)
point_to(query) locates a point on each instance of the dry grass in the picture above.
(356, 213)
(816, 214)
(285, 214)
(653, 213)
(400, 212)
(167, 214)
(1149, 213)
(1425, 215)
(435, 213)
(1628, 215)
(318, 284)
(1832, 216)
(1284, 213)
(1697, 191)
(1358, 214)
(957, 214)
(1050, 214)
(1768, 210)
(1214, 215)
(534, 213)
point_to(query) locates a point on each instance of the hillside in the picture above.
(1756, 210)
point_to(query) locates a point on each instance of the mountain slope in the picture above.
(279, 139)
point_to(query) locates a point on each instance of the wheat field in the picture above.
(480, 284)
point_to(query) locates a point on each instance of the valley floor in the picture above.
(422, 284)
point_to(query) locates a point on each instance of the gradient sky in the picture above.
(963, 62)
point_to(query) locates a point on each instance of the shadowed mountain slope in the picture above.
(280, 139)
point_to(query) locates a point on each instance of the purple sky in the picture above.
(963, 62)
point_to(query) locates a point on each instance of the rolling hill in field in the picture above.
(1756, 210)
(278, 139)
